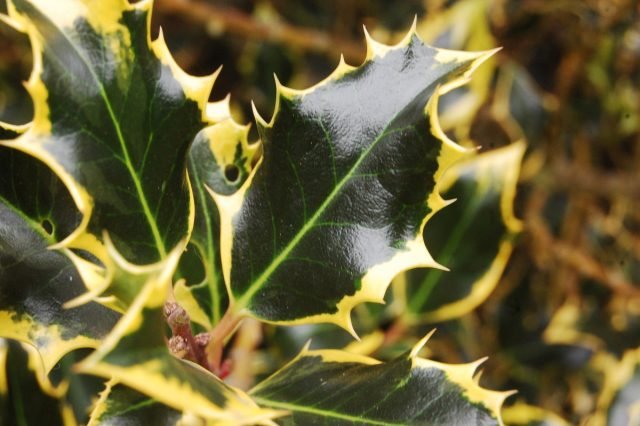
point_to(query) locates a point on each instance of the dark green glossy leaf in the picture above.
(337, 206)
(120, 406)
(285, 342)
(80, 390)
(330, 387)
(36, 281)
(28, 399)
(219, 160)
(8, 131)
(114, 116)
(473, 238)
(136, 355)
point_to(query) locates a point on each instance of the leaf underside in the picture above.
(337, 206)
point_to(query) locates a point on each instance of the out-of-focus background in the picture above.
(563, 325)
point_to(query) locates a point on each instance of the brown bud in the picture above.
(169, 307)
(179, 346)
(202, 339)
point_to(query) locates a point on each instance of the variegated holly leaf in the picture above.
(10, 131)
(520, 105)
(114, 117)
(136, 355)
(284, 342)
(337, 206)
(465, 26)
(4, 382)
(596, 321)
(521, 414)
(219, 160)
(337, 388)
(36, 281)
(619, 400)
(26, 396)
(119, 406)
(474, 238)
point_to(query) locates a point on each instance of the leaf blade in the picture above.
(302, 190)
(26, 381)
(220, 160)
(120, 405)
(474, 238)
(107, 101)
(36, 281)
(341, 388)
(136, 355)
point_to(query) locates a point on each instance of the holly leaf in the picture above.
(10, 131)
(463, 26)
(114, 117)
(520, 105)
(368, 321)
(597, 321)
(4, 382)
(619, 400)
(337, 388)
(36, 281)
(219, 160)
(521, 414)
(26, 396)
(337, 206)
(136, 355)
(474, 238)
(119, 405)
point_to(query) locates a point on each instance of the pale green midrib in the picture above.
(426, 288)
(257, 284)
(142, 404)
(153, 225)
(319, 412)
(134, 176)
(210, 266)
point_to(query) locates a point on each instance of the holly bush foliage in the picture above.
(140, 228)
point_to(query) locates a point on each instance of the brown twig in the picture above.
(219, 335)
(396, 332)
(182, 342)
(244, 25)
(572, 176)
(205, 349)
(243, 354)
(549, 251)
